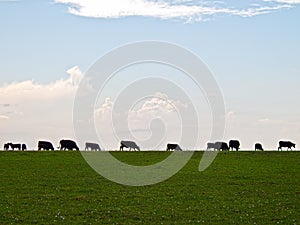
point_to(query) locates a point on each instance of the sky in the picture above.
(252, 49)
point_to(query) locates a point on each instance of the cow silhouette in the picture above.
(6, 147)
(129, 144)
(68, 145)
(221, 146)
(92, 146)
(258, 146)
(24, 147)
(45, 145)
(286, 144)
(211, 146)
(173, 147)
(234, 144)
(15, 146)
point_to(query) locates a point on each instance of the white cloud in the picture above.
(105, 110)
(285, 1)
(165, 9)
(151, 121)
(75, 75)
(33, 110)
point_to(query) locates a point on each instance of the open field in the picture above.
(238, 188)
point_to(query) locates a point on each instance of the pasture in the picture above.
(238, 188)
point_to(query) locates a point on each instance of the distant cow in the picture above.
(258, 146)
(92, 146)
(286, 144)
(6, 147)
(210, 146)
(221, 146)
(173, 147)
(129, 144)
(68, 145)
(24, 147)
(234, 144)
(45, 145)
(15, 146)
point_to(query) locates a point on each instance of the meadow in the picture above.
(238, 188)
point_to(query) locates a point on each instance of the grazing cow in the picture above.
(286, 144)
(258, 146)
(211, 146)
(6, 147)
(68, 145)
(45, 145)
(24, 147)
(129, 144)
(221, 146)
(92, 146)
(234, 144)
(15, 146)
(173, 147)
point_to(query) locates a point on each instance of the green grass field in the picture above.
(238, 188)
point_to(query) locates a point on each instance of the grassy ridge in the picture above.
(238, 188)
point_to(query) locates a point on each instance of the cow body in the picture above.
(45, 145)
(234, 144)
(15, 146)
(129, 144)
(173, 147)
(68, 145)
(92, 146)
(24, 147)
(221, 146)
(286, 144)
(6, 147)
(258, 146)
(211, 146)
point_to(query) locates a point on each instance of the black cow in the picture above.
(6, 147)
(234, 144)
(258, 146)
(92, 146)
(173, 147)
(129, 144)
(68, 145)
(286, 144)
(45, 145)
(24, 147)
(15, 146)
(221, 146)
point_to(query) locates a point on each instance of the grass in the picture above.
(238, 188)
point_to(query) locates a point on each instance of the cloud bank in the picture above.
(188, 10)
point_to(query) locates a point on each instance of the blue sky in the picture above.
(254, 58)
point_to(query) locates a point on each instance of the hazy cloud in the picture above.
(3, 117)
(43, 109)
(166, 9)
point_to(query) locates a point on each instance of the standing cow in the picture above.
(68, 145)
(6, 147)
(258, 146)
(24, 147)
(45, 145)
(173, 147)
(15, 146)
(211, 146)
(92, 146)
(234, 144)
(286, 144)
(129, 144)
(221, 146)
